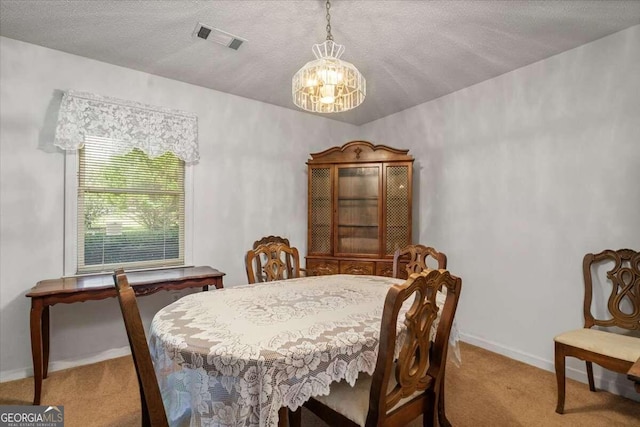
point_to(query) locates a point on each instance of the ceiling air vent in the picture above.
(218, 36)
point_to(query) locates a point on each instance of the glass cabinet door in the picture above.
(320, 210)
(357, 213)
(397, 207)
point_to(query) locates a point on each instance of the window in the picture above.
(129, 209)
(127, 186)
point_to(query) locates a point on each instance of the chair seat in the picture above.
(606, 343)
(353, 402)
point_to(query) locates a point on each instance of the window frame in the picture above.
(70, 234)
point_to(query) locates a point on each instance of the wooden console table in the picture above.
(79, 289)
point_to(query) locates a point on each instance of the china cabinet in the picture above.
(359, 204)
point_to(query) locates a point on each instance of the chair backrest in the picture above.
(272, 261)
(263, 241)
(623, 303)
(413, 259)
(270, 239)
(153, 413)
(421, 358)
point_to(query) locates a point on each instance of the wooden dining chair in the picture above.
(277, 239)
(272, 261)
(633, 374)
(153, 413)
(413, 259)
(263, 241)
(609, 349)
(403, 389)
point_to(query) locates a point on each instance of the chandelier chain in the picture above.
(329, 35)
(328, 84)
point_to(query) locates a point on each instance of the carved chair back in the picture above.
(272, 261)
(421, 359)
(414, 260)
(623, 303)
(270, 239)
(263, 241)
(153, 413)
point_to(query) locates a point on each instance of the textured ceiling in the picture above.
(409, 51)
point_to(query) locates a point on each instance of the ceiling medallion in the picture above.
(328, 84)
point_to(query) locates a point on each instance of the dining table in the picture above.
(237, 355)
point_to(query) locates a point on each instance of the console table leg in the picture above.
(36, 347)
(45, 341)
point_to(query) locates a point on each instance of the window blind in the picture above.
(130, 208)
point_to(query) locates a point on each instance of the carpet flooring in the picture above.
(487, 390)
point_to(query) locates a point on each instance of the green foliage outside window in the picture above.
(132, 206)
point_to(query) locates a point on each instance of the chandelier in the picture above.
(328, 84)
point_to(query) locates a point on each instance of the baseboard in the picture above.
(616, 387)
(18, 374)
(622, 388)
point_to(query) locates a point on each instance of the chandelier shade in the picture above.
(328, 84)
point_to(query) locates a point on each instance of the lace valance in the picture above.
(154, 130)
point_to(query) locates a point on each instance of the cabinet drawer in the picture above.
(322, 267)
(384, 269)
(357, 267)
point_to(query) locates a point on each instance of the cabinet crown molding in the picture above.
(360, 151)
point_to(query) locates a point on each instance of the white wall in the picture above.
(250, 182)
(518, 177)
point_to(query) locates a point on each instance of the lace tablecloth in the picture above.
(235, 356)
